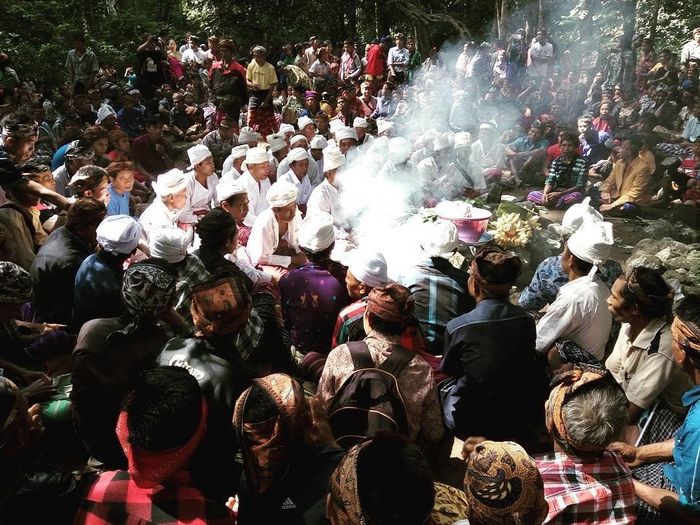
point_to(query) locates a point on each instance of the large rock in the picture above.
(647, 245)
(669, 253)
(641, 259)
(674, 263)
(660, 228)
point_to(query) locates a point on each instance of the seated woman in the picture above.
(584, 482)
(273, 240)
(567, 177)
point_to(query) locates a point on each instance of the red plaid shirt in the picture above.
(580, 491)
(115, 498)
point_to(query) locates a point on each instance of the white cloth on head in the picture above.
(360, 122)
(574, 217)
(197, 154)
(316, 232)
(369, 268)
(346, 133)
(399, 150)
(427, 170)
(104, 112)
(119, 234)
(297, 154)
(247, 135)
(304, 121)
(592, 242)
(442, 141)
(257, 196)
(438, 238)
(578, 314)
(276, 142)
(282, 193)
(227, 188)
(333, 158)
(170, 183)
(256, 155)
(239, 151)
(463, 139)
(303, 186)
(286, 128)
(170, 243)
(200, 198)
(264, 239)
(295, 139)
(334, 125)
(157, 215)
(384, 125)
(318, 142)
(314, 174)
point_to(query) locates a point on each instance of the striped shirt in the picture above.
(563, 174)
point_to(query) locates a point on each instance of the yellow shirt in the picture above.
(264, 76)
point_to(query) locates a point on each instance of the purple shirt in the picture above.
(312, 297)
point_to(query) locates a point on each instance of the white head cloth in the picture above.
(119, 234)
(169, 243)
(369, 268)
(282, 193)
(316, 232)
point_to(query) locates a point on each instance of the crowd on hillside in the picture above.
(195, 329)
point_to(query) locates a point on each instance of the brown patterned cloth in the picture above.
(220, 307)
(391, 302)
(503, 485)
(343, 487)
(505, 268)
(267, 445)
(687, 335)
(450, 505)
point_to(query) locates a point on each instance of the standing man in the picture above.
(398, 60)
(350, 64)
(311, 52)
(227, 82)
(81, 66)
(540, 56)
(261, 78)
(691, 49)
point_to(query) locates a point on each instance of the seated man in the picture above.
(98, 283)
(593, 143)
(673, 490)
(577, 324)
(627, 186)
(550, 276)
(487, 158)
(151, 153)
(233, 165)
(566, 181)
(498, 382)
(527, 154)
(274, 238)
(584, 482)
(163, 422)
(324, 197)
(91, 182)
(201, 185)
(313, 294)
(381, 481)
(437, 287)
(256, 179)
(389, 307)
(298, 159)
(17, 228)
(170, 199)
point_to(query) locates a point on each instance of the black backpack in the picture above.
(369, 400)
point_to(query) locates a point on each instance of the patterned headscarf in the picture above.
(15, 283)
(571, 382)
(687, 335)
(220, 307)
(267, 445)
(503, 485)
(391, 302)
(506, 265)
(148, 290)
(343, 487)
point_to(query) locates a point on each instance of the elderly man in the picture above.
(499, 383)
(363, 138)
(256, 180)
(577, 324)
(98, 282)
(298, 160)
(58, 260)
(274, 238)
(691, 49)
(201, 184)
(313, 294)
(628, 184)
(233, 198)
(261, 78)
(389, 308)
(233, 165)
(347, 140)
(584, 482)
(487, 158)
(437, 287)
(324, 197)
(171, 197)
(221, 141)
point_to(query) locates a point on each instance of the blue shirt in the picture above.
(98, 289)
(59, 158)
(440, 294)
(118, 204)
(684, 474)
(550, 276)
(523, 144)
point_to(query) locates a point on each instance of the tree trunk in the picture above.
(654, 21)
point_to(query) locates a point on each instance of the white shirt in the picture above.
(579, 314)
(199, 198)
(538, 50)
(398, 56)
(324, 198)
(157, 215)
(265, 238)
(257, 196)
(241, 259)
(690, 51)
(481, 158)
(193, 55)
(228, 168)
(315, 177)
(303, 186)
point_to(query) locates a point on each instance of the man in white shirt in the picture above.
(300, 141)
(311, 52)
(397, 60)
(324, 198)
(233, 165)
(577, 324)
(171, 196)
(256, 180)
(540, 55)
(201, 184)
(298, 168)
(194, 53)
(691, 49)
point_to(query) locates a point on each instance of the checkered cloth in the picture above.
(596, 491)
(115, 498)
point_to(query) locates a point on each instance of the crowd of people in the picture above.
(196, 328)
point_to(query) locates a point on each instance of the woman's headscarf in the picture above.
(687, 335)
(148, 290)
(220, 307)
(267, 434)
(503, 485)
